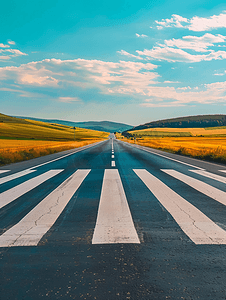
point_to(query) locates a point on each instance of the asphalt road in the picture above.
(113, 221)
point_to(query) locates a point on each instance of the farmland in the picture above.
(25, 139)
(203, 143)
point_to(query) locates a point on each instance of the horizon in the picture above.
(122, 61)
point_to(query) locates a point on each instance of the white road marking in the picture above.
(197, 226)
(223, 171)
(30, 230)
(200, 186)
(113, 163)
(147, 150)
(112, 156)
(17, 191)
(210, 175)
(114, 221)
(16, 175)
(3, 171)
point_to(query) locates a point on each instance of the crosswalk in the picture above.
(114, 221)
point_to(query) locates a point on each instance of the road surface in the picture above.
(113, 221)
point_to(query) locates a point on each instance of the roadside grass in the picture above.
(210, 148)
(17, 151)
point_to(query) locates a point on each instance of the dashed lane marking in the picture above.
(113, 163)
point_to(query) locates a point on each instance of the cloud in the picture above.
(178, 55)
(198, 44)
(69, 99)
(4, 46)
(6, 54)
(141, 35)
(11, 43)
(213, 93)
(107, 77)
(133, 79)
(123, 52)
(195, 23)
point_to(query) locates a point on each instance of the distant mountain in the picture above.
(94, 125)
(186, 122)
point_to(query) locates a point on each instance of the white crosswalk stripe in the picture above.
(35, 224)
(198, 227)
(4, 171)
(200, 186)
(16, 175)
(114, 221)
(210, 175)
(19, 190)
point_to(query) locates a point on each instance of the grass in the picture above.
(209, 147)
(17, 151)
(208, 131)
(26, 139)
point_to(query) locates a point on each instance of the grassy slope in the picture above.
(28, 129)
(25, 139)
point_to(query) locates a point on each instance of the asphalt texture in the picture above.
(65, 264)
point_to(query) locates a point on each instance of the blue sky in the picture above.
(124, 61)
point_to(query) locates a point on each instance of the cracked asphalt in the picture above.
(65, 264)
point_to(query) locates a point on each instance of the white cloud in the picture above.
(135, 79)
(4, 46)
(213, 93)
(195, 23)
(178, 55)
(141, 35)
(11, 43)
(198, 44)
(123, 52)
(9, 53)
(69, 99)
(108, 77)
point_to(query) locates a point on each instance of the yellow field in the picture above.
(209, 148)
(12, 151)
(25, 139)
(187, 131)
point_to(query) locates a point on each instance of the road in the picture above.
(113, 221)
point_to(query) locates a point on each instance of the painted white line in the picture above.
(223, 171)
(113, 163)
(112, 156)
(16, 175)
(200, 186)
(147, 150)
(210, 175)
(114, 221)
(197, 226)
(30, 230)
(3, 171)
(77, 150)
(17, 191)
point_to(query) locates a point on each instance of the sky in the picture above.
(123, 60)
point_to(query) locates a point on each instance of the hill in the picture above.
(18, 128)
(199, 121)
(105, 126)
